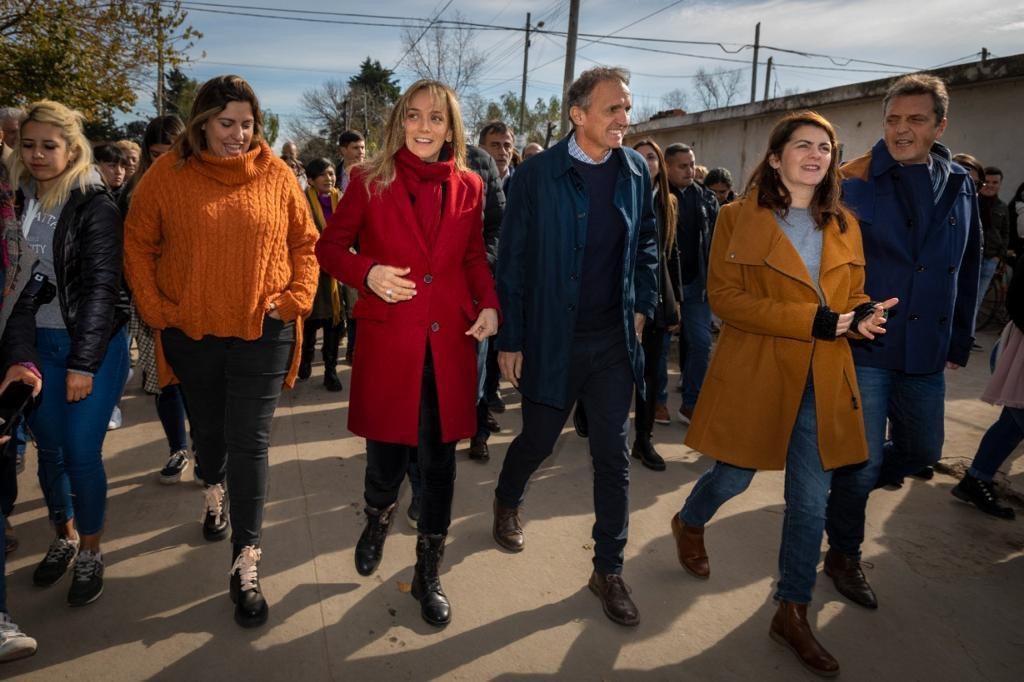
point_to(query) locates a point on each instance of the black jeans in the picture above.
(386, 464)
(232, 387)
(653, 339)
(600, 377)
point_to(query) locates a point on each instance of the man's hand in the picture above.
(953, 366)
(875, 323)
(511, 366)
(638, 323)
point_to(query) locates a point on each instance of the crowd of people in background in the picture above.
(816, 306)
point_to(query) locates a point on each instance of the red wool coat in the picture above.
(453, 283)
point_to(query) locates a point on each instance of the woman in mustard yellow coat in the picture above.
(786, 275)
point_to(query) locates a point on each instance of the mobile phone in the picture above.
(13, 402)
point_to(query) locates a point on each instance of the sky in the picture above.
(283, 58)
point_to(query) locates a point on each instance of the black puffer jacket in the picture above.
(481, 163)
(88, 257)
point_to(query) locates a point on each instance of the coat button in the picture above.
(428, 278)
(921, 268)
(942, 320)
(952, 220)
(914, 317)
(434, 327)
(732, 255)
(573, 277)
(572, 307)
(581, 216)
(952, 269)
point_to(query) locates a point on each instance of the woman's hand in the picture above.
(875, 323)
(389, 283)
(273, 312)
(79, 386)
(843, 325)
(24, 375)
(486, 324)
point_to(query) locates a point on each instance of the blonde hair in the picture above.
(130, 146)
(79, 167)
(381, 168)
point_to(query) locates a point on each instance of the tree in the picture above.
(271, 126)
(542, 119)
(362, 103)
(675, 99)
(92, 55)
(445, 53)
(179, 93)
(719, 88)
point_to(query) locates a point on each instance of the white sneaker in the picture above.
(14, 643)
(115, 419)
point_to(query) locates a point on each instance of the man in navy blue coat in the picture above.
(577, 278)
(919, 219)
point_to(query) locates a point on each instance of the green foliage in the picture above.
(179, 93)
(91, 55)
(271, 126)
(542, 120)
(376, 79)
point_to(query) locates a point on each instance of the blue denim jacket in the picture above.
(540, 255)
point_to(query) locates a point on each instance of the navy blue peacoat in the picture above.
(933, 269)
(540, 255)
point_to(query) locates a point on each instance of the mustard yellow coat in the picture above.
(759, 286)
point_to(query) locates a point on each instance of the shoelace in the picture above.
(87, 565)
(246, 565)
(215, 500)
(177, 459)
(61, 550)
(9, 628)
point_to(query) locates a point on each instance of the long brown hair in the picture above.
(667, 204)
(213, 96)
(381, 168)
(766, 183)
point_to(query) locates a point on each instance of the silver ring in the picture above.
(389, 293)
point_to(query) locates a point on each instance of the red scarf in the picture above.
(423, 181)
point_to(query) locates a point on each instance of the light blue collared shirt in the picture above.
(576, 152)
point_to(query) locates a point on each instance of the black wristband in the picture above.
(864, 310)
(825, 322)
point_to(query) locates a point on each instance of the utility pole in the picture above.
(526, 64)
(753, 72)
(570, 60)
(767, 77)
(984, 55)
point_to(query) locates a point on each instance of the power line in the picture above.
(420, 36)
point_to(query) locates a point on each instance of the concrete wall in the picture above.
(985, 119)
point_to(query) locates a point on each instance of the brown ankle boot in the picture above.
(690, 548)
(507, 531)
(790, 627)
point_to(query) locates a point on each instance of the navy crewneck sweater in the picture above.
(600, 305)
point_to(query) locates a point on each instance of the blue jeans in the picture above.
(988, 271)
(696, 313)
(998, 443)
(69, 436)
(170, 407)
(914, 404)
(601, 379)
(806, 496)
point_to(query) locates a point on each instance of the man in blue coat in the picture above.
(577, 277)
(919, 220)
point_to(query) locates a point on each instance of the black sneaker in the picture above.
(983, 496)
(215, 522)
(244, 588)
(412, 514)
(87, 578)
(496, 404)
(925, 474)
(176, 465)
(56, 562)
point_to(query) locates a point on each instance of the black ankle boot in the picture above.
(982, 494)
(305, 365)
(426, 584)
(643, 449)
(250, 606)
(332, 336)
(331, 381)
(370, 548)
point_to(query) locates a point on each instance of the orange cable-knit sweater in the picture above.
(211, 244)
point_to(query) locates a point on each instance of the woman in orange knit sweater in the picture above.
(219, 255)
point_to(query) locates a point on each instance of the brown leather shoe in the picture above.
(690, 548)
(507, 532)
(613, 592)
(478, 449)
(849, 579)
(790, 627)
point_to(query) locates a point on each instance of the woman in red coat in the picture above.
(426, 297)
